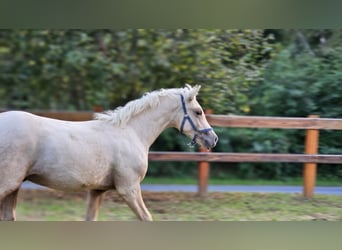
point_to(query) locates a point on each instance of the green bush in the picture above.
(78, 69)
(253, 141)
(299, 84)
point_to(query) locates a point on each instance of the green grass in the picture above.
(46, 205)
(289, 182)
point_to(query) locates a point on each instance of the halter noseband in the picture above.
(188, 118)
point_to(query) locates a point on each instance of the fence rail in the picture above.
(244, 157)
(312, 125)
(67, 115)
(274, 122)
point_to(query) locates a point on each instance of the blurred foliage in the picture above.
(78, 69)
(253, 141)
(304, 78)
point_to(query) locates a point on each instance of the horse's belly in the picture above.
(66, 166)
(72, 182)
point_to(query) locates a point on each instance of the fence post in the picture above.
(97, 108)
(310, 169)
(203, 170)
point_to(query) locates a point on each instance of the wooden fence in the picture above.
(310, 158)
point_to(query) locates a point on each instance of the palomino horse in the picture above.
(109, 152)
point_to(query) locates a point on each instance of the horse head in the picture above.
(192, 120)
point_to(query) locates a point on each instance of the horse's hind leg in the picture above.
(94, 201)
(132, 196)
(8, 196)
(12, 175)
(7, 206)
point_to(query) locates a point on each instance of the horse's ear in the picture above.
(193, 92)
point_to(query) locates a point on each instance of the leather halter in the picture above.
(194, 127)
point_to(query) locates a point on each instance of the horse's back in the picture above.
(17, 120)
(21, 136)
(15, 124)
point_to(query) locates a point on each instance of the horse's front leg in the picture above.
(94, 201)
(132, 196)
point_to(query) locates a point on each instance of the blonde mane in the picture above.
(121, 115)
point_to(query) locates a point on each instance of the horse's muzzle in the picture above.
(208, 140)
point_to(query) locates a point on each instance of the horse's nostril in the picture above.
(216, 139)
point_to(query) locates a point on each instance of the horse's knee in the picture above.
(130, 193)
(133, 198)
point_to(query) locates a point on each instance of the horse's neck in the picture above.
(152, 122)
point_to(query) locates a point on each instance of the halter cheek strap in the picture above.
(188, 118)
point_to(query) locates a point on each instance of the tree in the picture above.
(77, 69)
(303, 79)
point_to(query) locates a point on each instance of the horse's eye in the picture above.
(198, 112)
